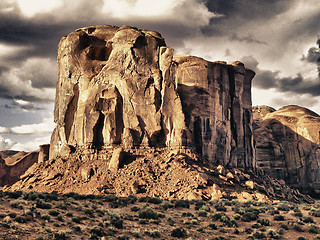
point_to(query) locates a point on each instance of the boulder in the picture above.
(43, 153)
(249, 184)
(221, 170)
(216, 192)
(116, 159)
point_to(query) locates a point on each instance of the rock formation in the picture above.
(132, 118)
(122, 87)
(43, 153)
(14, 164)
(287, 145)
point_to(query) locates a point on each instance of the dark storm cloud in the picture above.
(7, 93)
(3, 69)
(299, 84)
(304, 26)
(313, 55)
(32, 66)
(238, 13)
(266, 79)
(245, 9)
(42, 32)
(37, 38)
(247, 39)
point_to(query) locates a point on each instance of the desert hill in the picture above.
(13, 164)
(152, 172)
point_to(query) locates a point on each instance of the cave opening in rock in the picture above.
(197, 134)
(98, 132)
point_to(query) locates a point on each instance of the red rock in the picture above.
(287, 143)
(20, 163)
(250, 184)
(116, 159)
(124, 87)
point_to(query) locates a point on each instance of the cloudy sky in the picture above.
(276, 38)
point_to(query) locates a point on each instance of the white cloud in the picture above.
(7, 50)
(21, 103)
(24, 106)
(46, 126)
(6, 144)
(186, 12)
(124, 9)
(31, 7)
(273, 98)
(31, 145)
(26, 137)
(4, 130)
(41, 71)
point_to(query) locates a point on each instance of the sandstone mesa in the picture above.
(124, 87)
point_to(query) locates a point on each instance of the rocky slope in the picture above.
(124, 87)
(153, 172)
(287, 145)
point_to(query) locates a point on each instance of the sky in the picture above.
(275, 38)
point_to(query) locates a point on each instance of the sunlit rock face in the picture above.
(287, 145)
(124, 87)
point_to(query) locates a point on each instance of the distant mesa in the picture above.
(287, 146)
(13, 164)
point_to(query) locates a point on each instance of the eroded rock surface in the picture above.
(124, 87)
(287, 146)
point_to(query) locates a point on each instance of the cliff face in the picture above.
(124, 87)
(287, 146)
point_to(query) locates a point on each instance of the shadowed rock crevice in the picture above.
(70, 112)
(197, 134)
(98, 140)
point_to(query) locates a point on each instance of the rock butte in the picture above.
(287, 145)
(124, 87)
